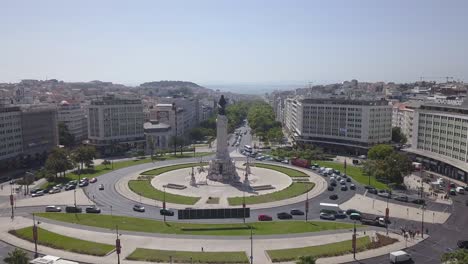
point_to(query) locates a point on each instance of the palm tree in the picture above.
(17, 256)
(306, 260)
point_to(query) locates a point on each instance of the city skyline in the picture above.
(211, 42)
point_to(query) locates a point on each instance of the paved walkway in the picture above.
(320, 186)
(377, 207)
(61, 198)
(185, 243)
(414, 182)
(5, 188)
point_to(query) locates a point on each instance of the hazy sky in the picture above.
(233, 41)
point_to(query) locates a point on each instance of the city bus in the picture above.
(248, 148)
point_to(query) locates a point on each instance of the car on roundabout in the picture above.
(327, 216)
(101, 187)
(348, 179)
(333, 197)
(166, 212)
(264, 217)
(352, 187)
(402, 198)
(355, 216)
(93, 209)
(139, 208)
(53, 209)
(333, 184)
(73, 209)
(344, 188)
(296, 212)
(93, 180)
(283, 215)
(54, 190)
(330, 188)
(462, 244)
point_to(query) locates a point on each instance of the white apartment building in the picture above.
(402, 117)
(340, 124)
(440, 138)
(11, 137)
(113, 120)
(165, 114)
(74, 117)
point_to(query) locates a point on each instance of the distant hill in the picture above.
(171, 88)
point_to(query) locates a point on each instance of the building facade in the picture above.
(402, 117)
(440, 137)
(11, 139)
(74, 118)
(113, 120)
(39, 129)
(157, 135)
(339, 123)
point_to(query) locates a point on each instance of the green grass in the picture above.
(164, 169)
(288, 171)
(54, 240)
(355, 172)
(145, 189)
(101, 169)
(293, 190)
(326, 250)
(153, 226)
(155, 255)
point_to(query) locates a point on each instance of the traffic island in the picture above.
(169, 256)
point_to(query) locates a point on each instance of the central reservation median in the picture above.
(169, 256)
(154, 226)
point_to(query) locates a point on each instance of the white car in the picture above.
(37, 194)
(54, 190)
(53, 208)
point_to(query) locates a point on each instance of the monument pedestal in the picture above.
(222, 168)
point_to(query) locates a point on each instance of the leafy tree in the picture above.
(306, 260)
(385, 163)
(58, 161)
(17, 256)
(106, 163)
(275, 134)
(84, 155)
(176, 141)
(459, 256)
(379, 152)
(65, 137)
(398, 136)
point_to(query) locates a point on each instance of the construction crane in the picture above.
(447, 78)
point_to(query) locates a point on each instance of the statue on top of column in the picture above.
(222, 106)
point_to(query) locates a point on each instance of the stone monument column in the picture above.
(221, 137)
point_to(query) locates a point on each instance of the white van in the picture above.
(399, 256)
(460, 190)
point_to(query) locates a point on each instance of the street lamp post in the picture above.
(243, 205)
(35, 236)
(117, 244)
(307, 207)
(175, 121)
(422, 221)
(164, 203)
(354, 241)
(74, 196)
(12, 202)
(251, 245)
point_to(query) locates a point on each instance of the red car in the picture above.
(265, 218)
(93, 180)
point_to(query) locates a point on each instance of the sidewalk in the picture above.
(377, 207)
(320, 186)
(184, 243)
(61, 198)
(5, 188)
(414, 182)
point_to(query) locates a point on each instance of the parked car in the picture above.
(402, 198)
(462, 244)
(59, 186)
(37, 194)
(53, 208)
(139, 208)
(333, 184)
(284, 215)
(70, 187)
(264, 217)
(384, 195)
(344, 188)
(296, 212)
(355, 216)
(419, 201)
(166, 212)
(352, 187)
(35, 190)
(54, 190)
(73, 209)
(453, 192)
(340, 214)
(93, 209)
(350, 211)
(333, 197)
(330, 188)
(372, 190)
(101, 187)
(327, 216)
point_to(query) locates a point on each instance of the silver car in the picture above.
(53, 208)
